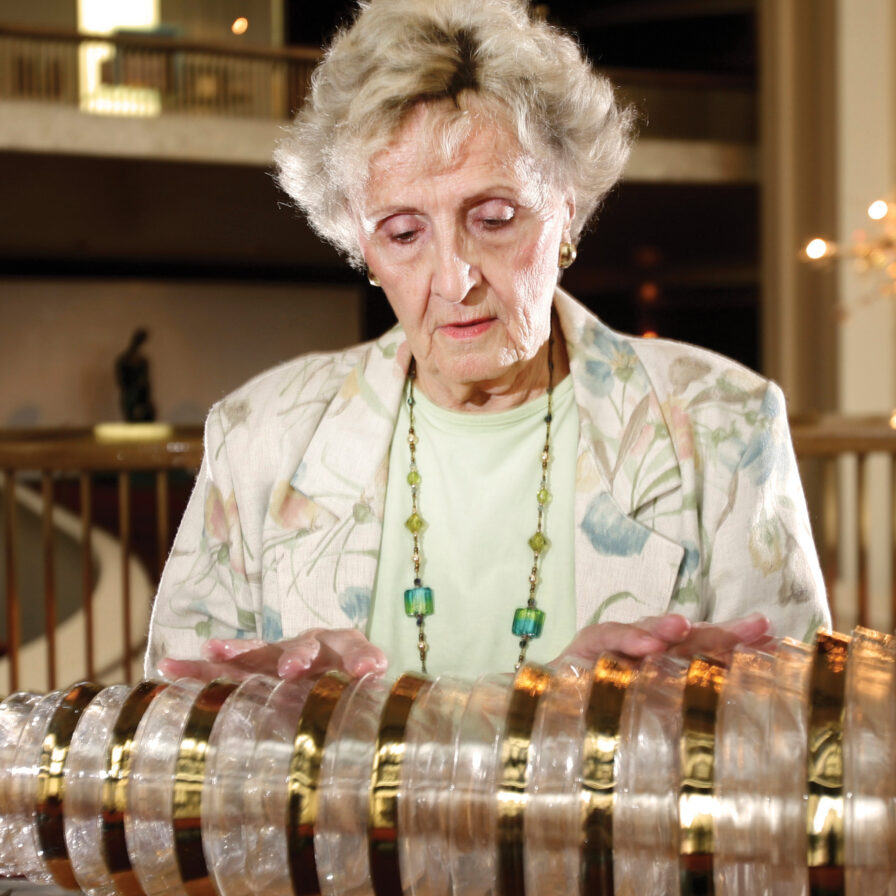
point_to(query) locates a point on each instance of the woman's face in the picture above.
(466, 252)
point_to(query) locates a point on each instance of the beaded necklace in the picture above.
(528, 621)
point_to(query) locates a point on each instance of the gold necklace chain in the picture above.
(528, 621)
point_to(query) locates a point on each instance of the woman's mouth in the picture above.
(467, 329)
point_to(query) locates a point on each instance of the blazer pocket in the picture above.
(624, 569)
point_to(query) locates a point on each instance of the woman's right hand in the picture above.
(313, 652)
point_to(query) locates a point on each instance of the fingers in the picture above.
(672, 628)
(635, 640)
(220, 649)
(631, 640)
(201, 670)
(319, 650)
(652, 634)
(720, 639)
(311, 653)
(222, 660)
(749, 628)
(670, 633)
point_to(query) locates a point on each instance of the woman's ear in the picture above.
(570, 214)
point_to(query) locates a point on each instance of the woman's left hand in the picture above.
(671, 633)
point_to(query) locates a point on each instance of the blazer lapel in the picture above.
(342, 478)
(351, 441)
(626, 461)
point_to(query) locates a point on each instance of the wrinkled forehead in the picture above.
(435, 136)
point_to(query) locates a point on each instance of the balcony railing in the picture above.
(702, 125)
(132, 492)
(136, 74)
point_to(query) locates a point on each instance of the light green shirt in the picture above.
(480, 475)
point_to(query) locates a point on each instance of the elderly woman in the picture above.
(500, 476)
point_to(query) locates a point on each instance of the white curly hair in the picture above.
(468, 55)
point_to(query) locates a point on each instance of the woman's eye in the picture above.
(401, 229)
(495, 215)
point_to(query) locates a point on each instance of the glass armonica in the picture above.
(766, 771)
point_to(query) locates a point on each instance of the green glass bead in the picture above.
(418, 601)
(415, 522)
(543, 496)
(538, 542)
(528, 622)
(414, 478)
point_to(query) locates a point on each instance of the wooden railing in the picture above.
(848, 465)
(140, 74)
(135, 490)
(117, 480)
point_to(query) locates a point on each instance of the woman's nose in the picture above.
(454, 274)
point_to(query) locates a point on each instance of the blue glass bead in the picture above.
(418, 601)
(528, 622)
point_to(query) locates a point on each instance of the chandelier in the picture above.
(872, 251)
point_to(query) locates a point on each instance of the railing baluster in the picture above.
(844, 589)
(13, 608)
(124, 525)
(863, 520)
(829, 537)
(162, 530)
(893, 543)
(47, 502)
(87, 569)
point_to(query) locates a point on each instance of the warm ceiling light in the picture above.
(878, 210)
(893, 420)
(240, 25)
(817, 248)
(649, 334)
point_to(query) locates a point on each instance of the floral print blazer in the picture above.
(687, 496)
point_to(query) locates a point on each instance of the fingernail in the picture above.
(293, 666)
(231, 649)
(365, 664)
(211, 648)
